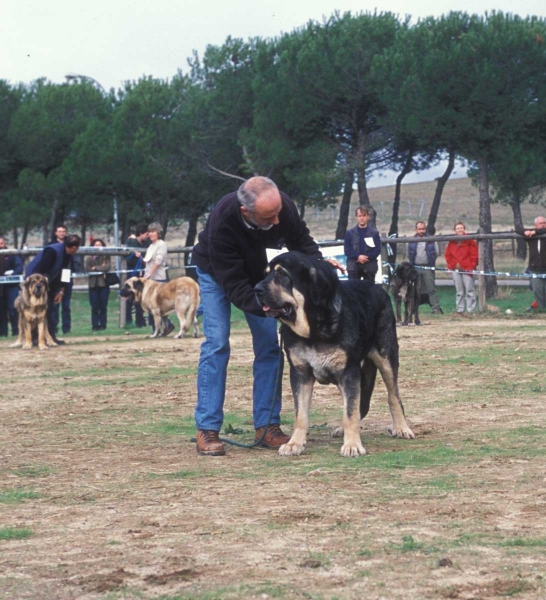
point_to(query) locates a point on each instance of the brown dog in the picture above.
(31, 304)
(180, 295)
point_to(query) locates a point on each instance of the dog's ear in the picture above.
(322, 283)
(138, 285)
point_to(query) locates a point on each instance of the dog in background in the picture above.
(334, 332)
(31, 305)
(180, 295)
(406, 288)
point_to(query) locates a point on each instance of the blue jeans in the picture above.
(214, 358)
(98, 298)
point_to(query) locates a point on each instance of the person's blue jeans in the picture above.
(214, 358)
(98, 298)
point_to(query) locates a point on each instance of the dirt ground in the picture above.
(98, 472)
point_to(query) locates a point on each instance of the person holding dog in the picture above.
(423, 256)
(362, 247)
(536, 240)
(99, 290)
(461, 257)
(55, 263)
(231, 258)
(156, 264)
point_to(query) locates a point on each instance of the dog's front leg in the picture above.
(158, 323)
(399, 427)
(350, 391)
(302, 381)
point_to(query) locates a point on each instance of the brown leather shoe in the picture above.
(209, 444)
(274, 438)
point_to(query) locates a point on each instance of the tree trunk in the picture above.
(521, 246)
(434, 209)
(52, 222)
(83, 232)
(25, 235)
(485, 226)
(302, 208)
(15, 238)
(191, 236)
(345, 207)
(408, 166)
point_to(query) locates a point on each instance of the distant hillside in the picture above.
(459, 203)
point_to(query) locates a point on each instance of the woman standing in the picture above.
(463, 255)
(156, 264)
(98, 289)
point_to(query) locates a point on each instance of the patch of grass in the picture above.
(14, 533)
(177, 475)
(33, 471)
(409, 545)
(414, 457)
(524, 542)
(15, 496)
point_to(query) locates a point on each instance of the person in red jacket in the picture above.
(462, 256)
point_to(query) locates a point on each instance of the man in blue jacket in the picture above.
(231, 258)
(55, 263)
(10, 264)
(424, 254)
(362, 247)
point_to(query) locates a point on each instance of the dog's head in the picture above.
(133, 289)
(297, 290)
(36, 288)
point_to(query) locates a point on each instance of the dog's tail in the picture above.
(367, 383)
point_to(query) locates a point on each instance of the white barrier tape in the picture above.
(484, 273)
(20, 278)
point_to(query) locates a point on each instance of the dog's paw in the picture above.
(43, 347)
(178, 336)
(337, 432)
(411, 324)
(291, 449)
(352, 450)
(27, 346)
(401, 432)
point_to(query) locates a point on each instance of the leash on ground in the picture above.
(275, 391)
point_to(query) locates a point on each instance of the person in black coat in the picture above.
(10, 264)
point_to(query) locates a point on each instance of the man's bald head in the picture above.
(260, 201)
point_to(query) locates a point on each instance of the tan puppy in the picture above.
(180, 295)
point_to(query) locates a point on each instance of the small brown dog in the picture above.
(31, 305)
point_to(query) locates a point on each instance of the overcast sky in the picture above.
(113, 41)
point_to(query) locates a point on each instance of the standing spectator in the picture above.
(362, 247)
(9, 265)
(156, 264)
(66, 315)
(424, 254)
(231, 258)
(140, 240)
(463, 256)
(55, 263)
(99, 291)
(537, 259)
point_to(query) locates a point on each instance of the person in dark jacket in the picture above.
(231, 258)
(99, 291)
(140, 242)
(11, 264)
(55, 263)
(362, 247)
(423, 255)
(64, 306)
(536, 240)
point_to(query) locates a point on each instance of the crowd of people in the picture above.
(362, 248)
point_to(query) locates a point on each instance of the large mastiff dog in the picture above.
(31, 305)
(334, 332)
(180, 295)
